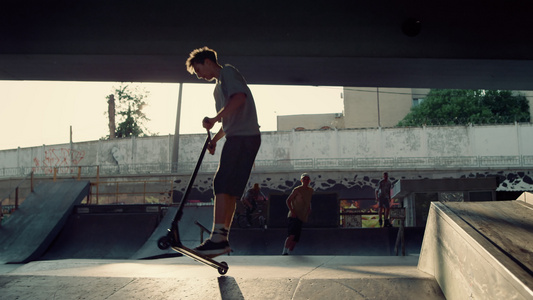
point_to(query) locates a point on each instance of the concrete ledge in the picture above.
(466, 264)
(526, 197)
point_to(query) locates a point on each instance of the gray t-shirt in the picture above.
(383, 189)
(244, 121)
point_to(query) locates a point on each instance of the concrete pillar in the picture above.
(410, 212)
(176, 145)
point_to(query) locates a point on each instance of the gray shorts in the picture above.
(236, 162)
(384, 202)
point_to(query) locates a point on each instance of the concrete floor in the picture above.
(249, 277)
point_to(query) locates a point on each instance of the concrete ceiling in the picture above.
(461, 44)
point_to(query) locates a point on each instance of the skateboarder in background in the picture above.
(299, 204)
(250, 201)
(236, 110)
(383, 199)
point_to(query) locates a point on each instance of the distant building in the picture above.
(366, 108)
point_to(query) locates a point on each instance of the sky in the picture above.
(35, 113)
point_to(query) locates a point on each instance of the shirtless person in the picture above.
(299, 204)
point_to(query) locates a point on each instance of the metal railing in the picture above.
(16, 194)
(309, 164)
(131, 192)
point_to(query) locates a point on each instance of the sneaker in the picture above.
(387, 223)
(212, 249)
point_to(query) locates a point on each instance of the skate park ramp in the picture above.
(123, 231)
(190, 233)
(30, 230)
(480, 250)
(104, 232)
(132, 232)
(149, 249)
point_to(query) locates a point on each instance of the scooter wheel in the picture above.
(223, 271)
(163, 243)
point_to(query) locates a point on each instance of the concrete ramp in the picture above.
(30, 230)
(189, 232)
(149, 249)
(258, 241)
(526, 197)
(122, 232)
(104, 232)
(480, 250)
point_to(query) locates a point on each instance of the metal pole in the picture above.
(176, 144)
(97, 184)
(171, 191)
(71, 155)
(144, 193)
(379, 120)
(16, 198)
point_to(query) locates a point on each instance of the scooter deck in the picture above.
(222, 267)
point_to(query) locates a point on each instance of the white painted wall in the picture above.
(504, 140)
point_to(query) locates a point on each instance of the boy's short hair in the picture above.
(198, 56)
(304, 175)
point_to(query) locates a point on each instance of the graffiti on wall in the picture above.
(118, 155)
(57, 157)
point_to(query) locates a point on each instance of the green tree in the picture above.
(128, 127)
(129, 102)
(461, 107)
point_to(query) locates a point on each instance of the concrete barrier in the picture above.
(469, 249)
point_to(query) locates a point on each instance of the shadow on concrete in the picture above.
(229, 288)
